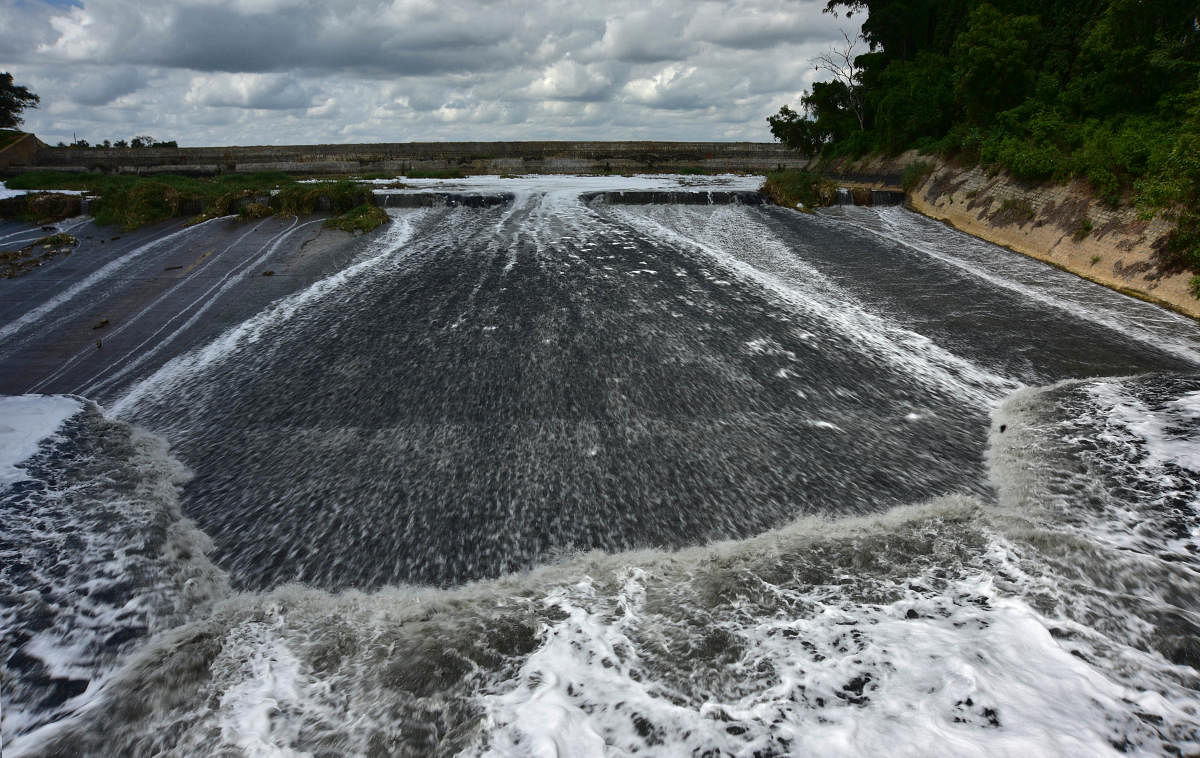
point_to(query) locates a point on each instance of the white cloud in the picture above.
(305, 71)
(262, 91)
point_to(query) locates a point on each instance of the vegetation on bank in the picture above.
(13, 263)
(135, 201)
(798, 189)
(1105, 90)
(358, 220)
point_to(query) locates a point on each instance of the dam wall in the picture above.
(415, 157)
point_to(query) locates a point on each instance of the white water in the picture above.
(1043, 624)
(25, 421)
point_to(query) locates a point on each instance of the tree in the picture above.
(14, 99)
(992, 70)
(840, 63)
(797, 131)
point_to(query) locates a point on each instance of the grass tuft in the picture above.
(359, 220)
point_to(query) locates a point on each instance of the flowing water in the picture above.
(550, 473)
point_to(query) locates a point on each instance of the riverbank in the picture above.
(1064, 225)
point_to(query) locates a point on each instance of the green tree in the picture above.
(14, 99)
(992, 71)
(797, 131)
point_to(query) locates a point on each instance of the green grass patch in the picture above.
(1082, 229)
(790, 188)
(914, 174)
(134, 201)
(313, 197)
(359, 220)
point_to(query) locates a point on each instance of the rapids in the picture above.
(551, 472)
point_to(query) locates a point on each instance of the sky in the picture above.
(263, 72)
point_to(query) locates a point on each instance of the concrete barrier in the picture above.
(406, 157)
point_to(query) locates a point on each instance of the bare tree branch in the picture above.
(839, 62)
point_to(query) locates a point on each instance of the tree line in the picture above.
(1106, 90)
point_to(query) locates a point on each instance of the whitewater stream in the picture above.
(592, 466)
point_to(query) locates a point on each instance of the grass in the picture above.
(792, 188)
(1082, 229)
(1017, 208)
(135, 201)
(358, 220)
(914, 175)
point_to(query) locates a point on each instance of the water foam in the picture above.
(96, 557)
(744, 247)
(1029, 278)
(25, 421)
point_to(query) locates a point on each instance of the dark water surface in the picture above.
(809, 406)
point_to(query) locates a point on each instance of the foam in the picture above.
(1169, 434)
(98, 557)
(883, 634)
(1029, 278)
(25, 421)
(744, 247)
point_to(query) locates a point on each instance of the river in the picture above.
(541, 469)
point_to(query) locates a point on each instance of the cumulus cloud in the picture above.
(228, 71)
(262, 91)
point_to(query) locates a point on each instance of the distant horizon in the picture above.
(440, 142)
(290, 72)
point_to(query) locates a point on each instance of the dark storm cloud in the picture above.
(320, 70)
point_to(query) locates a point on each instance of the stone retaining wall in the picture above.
(401, 158)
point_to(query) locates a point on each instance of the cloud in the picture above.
(229, 71)
(106, 85)
(261, 91)
(568, 80)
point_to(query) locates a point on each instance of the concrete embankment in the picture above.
(1063, 225)
(413, 157)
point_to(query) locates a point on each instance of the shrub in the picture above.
(307, 198)
(359, 220)
(1082, 229)
(787, 188)
(914, 174)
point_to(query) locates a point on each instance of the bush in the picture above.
(787, 188)
(359, 220)
(307, 198)
(914, 174)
